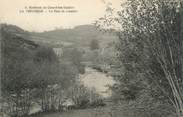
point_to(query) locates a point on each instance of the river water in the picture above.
(91, 79)
(98, 80)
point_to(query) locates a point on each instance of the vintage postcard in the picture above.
(91, 58)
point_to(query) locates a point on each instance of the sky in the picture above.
(88, 11)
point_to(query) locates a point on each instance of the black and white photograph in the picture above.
(91, 58)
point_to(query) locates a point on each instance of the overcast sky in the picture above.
(88, 12)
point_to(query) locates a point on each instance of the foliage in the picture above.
(26, 67)
(84, 97)
(74, 56)
(150, 49)
(94, 44)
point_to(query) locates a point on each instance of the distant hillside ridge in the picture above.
(79, 35)
(15, 30)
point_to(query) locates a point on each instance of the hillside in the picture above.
(79, 36)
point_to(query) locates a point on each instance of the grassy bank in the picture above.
(97, 112)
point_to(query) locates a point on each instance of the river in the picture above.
(91, 79)
(98, 80)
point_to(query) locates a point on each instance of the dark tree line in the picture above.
(150, 54)
(33, 74)
(29, 74)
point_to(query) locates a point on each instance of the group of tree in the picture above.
(31, 73)
(150, 56)
(74, 56)
(84, 97)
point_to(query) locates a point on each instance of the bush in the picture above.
(97, 103)
(143, 106)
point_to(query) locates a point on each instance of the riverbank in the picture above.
(96, 112)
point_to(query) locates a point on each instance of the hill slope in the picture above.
(79, 36)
